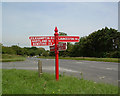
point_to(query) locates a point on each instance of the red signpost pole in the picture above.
(56, 53)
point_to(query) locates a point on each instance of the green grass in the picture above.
(27, 82)
(11, 58)
(86, 58)
(0, 82)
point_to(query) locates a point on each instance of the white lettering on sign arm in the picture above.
(49, 40)
(44, 40)
(33, 41)
(63, 38)
(72, 38)
(76, 38)
(49, 43)
(40, 38)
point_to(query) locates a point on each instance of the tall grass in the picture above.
(10, 58)
(28, 82)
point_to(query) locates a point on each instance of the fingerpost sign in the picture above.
(61, 47)
(53, 41)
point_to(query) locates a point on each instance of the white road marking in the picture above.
(111, 68)
(62, 69)
(69, 70)
(102, 77)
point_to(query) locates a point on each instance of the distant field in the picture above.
(0, 82)
(27, 82)
(11, 58)
(87, 58)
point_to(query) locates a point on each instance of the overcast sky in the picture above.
(20, 20)
(119, 16)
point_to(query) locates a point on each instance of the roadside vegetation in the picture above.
(101, 45)
(92, 59)
(84, 58)
(11, 58)
(27, 82)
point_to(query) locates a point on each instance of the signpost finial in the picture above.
(56, 30)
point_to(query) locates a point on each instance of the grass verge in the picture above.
(28, 82)
(11, 58)
(0, 81)
(86, 58)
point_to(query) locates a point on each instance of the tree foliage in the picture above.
(98, 44)
(26, 51)
(101, 43)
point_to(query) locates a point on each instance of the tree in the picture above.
(1, 48)
(40, 51)
(8, 50)
(19, 50)
(98, 43)
(62, 34)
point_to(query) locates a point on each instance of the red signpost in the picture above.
(42, 40)
(51, 40)
(56, 53)
(68, 39)
(61, 47)
(52, 48)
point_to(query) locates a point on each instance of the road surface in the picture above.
(106, 72)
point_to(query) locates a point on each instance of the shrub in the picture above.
(115, 54)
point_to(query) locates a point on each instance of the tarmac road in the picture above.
(106, 72)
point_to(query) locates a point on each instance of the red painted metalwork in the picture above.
(68, 38)
(56, 54)
(61, 47)
(42, 40)
(51, 40)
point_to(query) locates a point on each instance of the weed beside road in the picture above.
(27, 82)
(11, 58)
